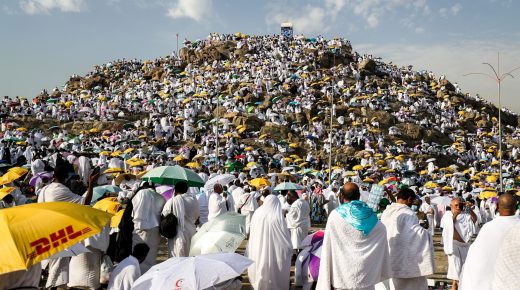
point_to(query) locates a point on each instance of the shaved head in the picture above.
(507, 204)
(350, 192)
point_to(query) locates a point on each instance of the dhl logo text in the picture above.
(62, 236)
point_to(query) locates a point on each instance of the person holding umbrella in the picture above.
(58, 191)
(186, 208)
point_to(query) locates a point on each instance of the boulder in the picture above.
(410, 131)
(252, 122)
(367, 66)
(275, 131)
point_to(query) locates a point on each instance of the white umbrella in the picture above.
(193, 273)
(222, 179)
(442, 200)
(430, 160)
(222, 234)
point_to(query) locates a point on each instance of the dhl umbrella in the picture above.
(259, 182)
(116, 219)
(33, 232)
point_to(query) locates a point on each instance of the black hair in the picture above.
(405, 194)
(181, 187)
(140, 251)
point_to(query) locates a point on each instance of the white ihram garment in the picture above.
(456, 250)
(269, 247)
(479, 268)
(299, 222)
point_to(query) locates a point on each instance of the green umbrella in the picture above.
(12, 139)
(128, 126)
(170, 175)
(287, 186)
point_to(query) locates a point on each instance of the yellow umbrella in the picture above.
(263, 136)
(431, 184)
(368, 180)
(242, 130)
(259, 182)
(288, 159)
(116, 153)
(251, 164)
(104, 153)
(129, 150)
(179, 158)
(133, 162)
(5, 191)
(491, 179)
(293, 145)
(357, 167)
(113, 170)
(487, 194)
(108, 204)
(94, 130)
(193, 165)
(294, 156)
(249, 148)
(12, 175)
(21, 129)
(33, 232)
(116, 219)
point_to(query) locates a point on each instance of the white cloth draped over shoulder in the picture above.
(410, 245)
(507, 272)
(351, 260)
(464, 226)
(216, 205)
(299, 222)
(479, 267)
(269, 247)
(124, 274)
(186, 208)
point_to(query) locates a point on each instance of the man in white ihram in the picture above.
(354, 255)
(479, 268)
(458, 227)
(409, 244)
(298, 219)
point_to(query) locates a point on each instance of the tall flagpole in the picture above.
(498, 78)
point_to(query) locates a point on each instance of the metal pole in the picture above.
(177, 44)
(500, 124)
(331, 118)
(216, 131)
(497, 77)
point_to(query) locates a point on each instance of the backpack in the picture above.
(168, 225)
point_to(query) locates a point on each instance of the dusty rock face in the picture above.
(367, 66)
(252, 122)
(410, 130)
(276, 132)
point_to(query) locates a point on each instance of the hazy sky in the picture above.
(45, 41)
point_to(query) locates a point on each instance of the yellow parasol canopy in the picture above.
(193, 165)
(108, 204)
(134, 162)
(33, 232)
(357, 167)
(12, 175)
(113, 170)
(129, 150)
(5, 191)
(116, 219)
(179, 158)
(259, 182)
(431, 184)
